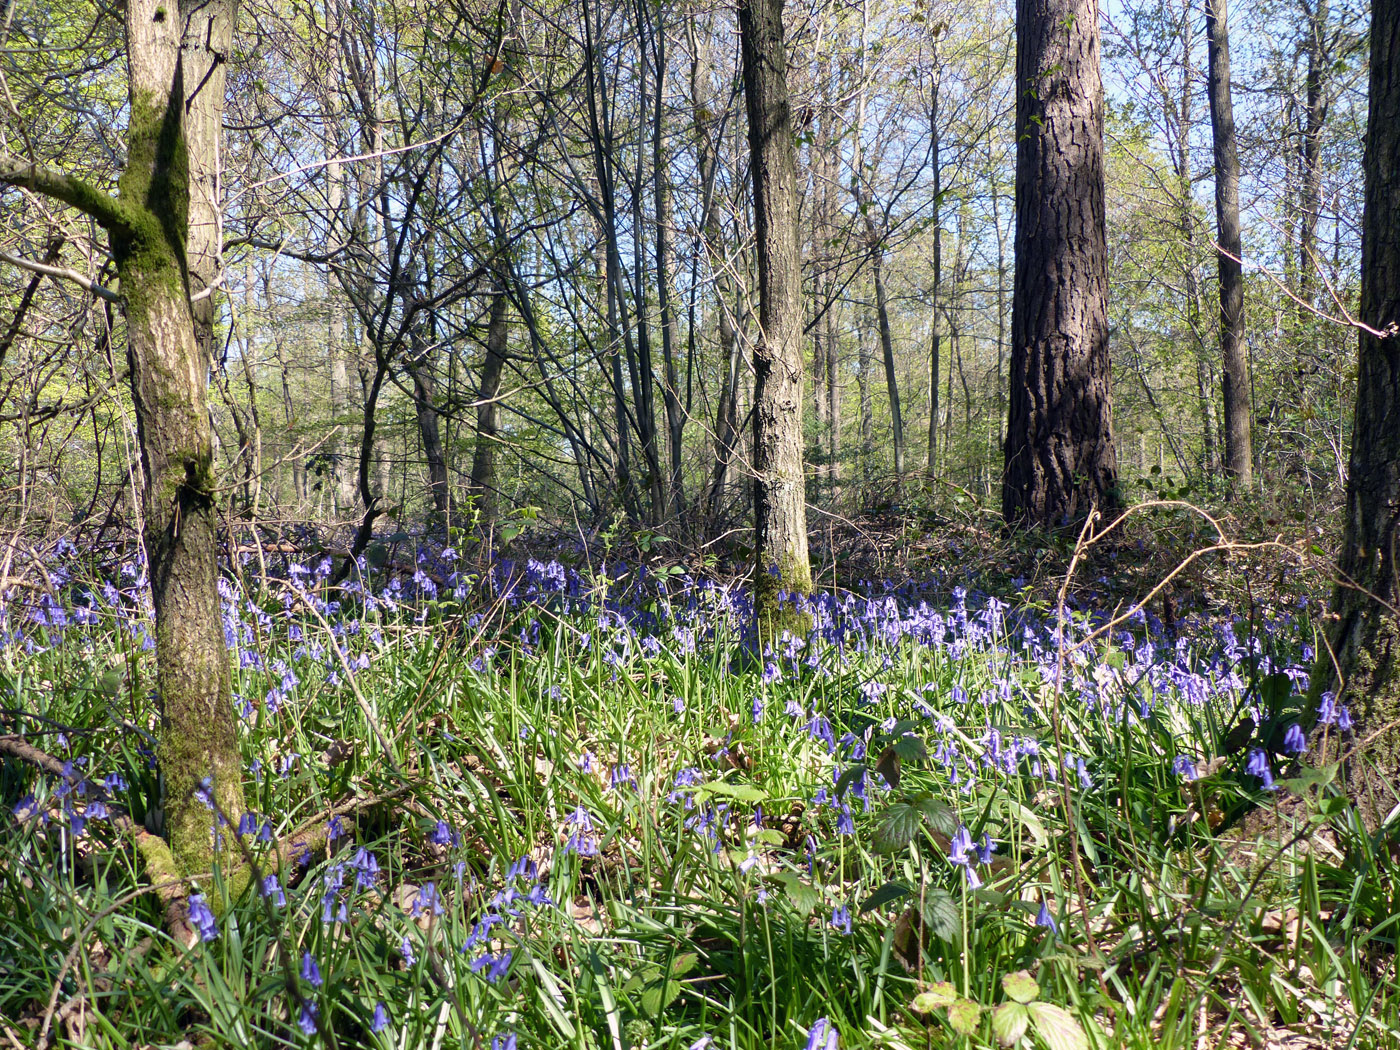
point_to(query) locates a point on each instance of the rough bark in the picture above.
(936, 350)
(779, 491)
(1365, 631)
(1234, 355)
(1060, 459)
(488, 410)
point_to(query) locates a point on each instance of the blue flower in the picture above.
(822, 1035)
(1045, 919)
(1258, 766)
(310, 972)
(841, 920)
(273, 889)
(506, 1042)
(1184, 767)
(380, 1021)
(1293, 741)
(307, 1021)
(202, 918)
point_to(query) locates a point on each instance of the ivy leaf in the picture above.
(1021, 986)
(1057, 1028)
(1009, 1021)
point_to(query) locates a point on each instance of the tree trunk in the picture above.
(936, 350)
(891, 381)
(1060, 459)
(1365, 633)
(420, 369)
(1239, 446)
(779, 491)
(1314, 116)
(488, 414)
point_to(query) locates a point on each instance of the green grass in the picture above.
(691, 921)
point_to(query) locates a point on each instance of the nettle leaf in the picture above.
(897, 828)
(659, 996)
(890, 891)
(1021, 986)
(938, 814)
(963, 1015)
(1009, 1021)
(910, 748)
(685, 962)
(938, 996)
(1057, 1028)
(941, 915)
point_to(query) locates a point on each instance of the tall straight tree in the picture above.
(1060, 459)
(780, 511)
(1364, 638)
(1239, 445)
(159, 227)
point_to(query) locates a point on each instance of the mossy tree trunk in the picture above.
(149, 227)
(1364, 636)
(780, 507)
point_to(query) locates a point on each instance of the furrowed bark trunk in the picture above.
(1234, 354)
(1365, 633)
(936, 350)
(1060, 459)
(1314, 116)
(779, 489)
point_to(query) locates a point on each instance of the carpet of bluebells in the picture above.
(587, 808)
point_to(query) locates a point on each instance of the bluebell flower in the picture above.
(202, 918)
(1258, 766)
(506, 1042)
(986, 849)
(406, 950)
(1184, 767)
(840, 919)
(822, 1035)
(380, 1020)
(1294, 743)
(1045, 919)
(307, 1021)
(272, 888)
(310, 972)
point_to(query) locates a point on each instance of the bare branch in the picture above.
(63, 272)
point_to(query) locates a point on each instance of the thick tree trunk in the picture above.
(1239, 445)
(779, 489)
(1060, 459)
(1365, 633)
(169, 378)
(488, 411)
(936, 350)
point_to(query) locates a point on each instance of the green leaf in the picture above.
(940, 995)
(897, 828)
(890, 891)
(849, 777)
(803, 897)
(941, 915)
(551, 997)
(1057, 1028)
(740, 792)
(963, 1015)
(1310, 778)
(910, 748)
(682, 964)
(659, 996)
(1009, 1021)
(938, 814)
(1021, 986)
